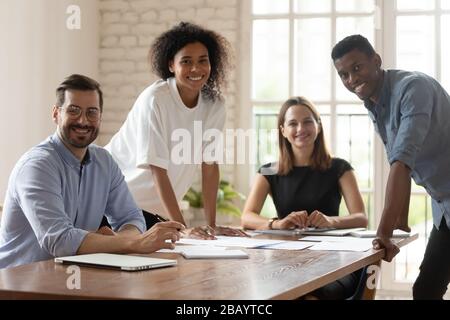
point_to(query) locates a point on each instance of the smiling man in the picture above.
(59, 191)
(411, 112)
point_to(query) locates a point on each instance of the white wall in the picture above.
(37, 52)
(127, 29)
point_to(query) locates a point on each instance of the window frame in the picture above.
(245, 173)
(384, 42)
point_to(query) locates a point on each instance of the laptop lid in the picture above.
(117, 261)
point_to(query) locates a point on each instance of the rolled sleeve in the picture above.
(416, 108)
(137, 223)
(65, 243)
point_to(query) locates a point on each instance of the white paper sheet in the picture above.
(196, 253)
(354, 245)
(224, 241)
(182, 248)
(289, 245)
(328, 238)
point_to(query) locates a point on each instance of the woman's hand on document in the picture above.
(296, 219)
(319, 220)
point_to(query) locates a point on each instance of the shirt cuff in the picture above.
(404, 157)
(75, 239)
(142, 227)
(154, 161)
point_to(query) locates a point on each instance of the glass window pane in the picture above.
(368, 205)
(343, 211)
(324, 112)
(355, 5)
(368, 200)
(415, 188)
(312, 6)
(265, 123)
(415, 4)
(270, 6)
(355, 141)
(445, 53)
(407, 262)
(416, 44)
(445, 4)
(323, 109)
(272, 109)
(312, 77)
(268, 210)
(345, 27)
(270, 60)
(356, 109)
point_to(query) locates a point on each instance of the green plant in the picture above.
(225, 196)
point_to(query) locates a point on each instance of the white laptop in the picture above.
(117, 261)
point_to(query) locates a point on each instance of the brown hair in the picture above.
(78, 82)
(321, 157)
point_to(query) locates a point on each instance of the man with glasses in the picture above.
(59, 191)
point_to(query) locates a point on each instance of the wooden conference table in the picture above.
(267, 274)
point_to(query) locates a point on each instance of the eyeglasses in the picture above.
(74, 112)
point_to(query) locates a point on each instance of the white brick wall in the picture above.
(128, 27)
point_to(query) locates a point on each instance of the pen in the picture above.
(161, 219)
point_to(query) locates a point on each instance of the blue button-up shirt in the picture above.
(53, 200)
(412, 118)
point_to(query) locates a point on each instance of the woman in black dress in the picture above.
(306, 186)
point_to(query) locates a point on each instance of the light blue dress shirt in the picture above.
(53, 201)
(412, 118)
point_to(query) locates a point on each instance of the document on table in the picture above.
(311, 231)
(223, 241)
(182, 248)
(289, 245)
(373, 233)
(327, 238)
(196, 253)
(293, 232)
(205, 252)
(344, 245)
(333, 243)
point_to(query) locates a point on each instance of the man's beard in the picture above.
(66, 134)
